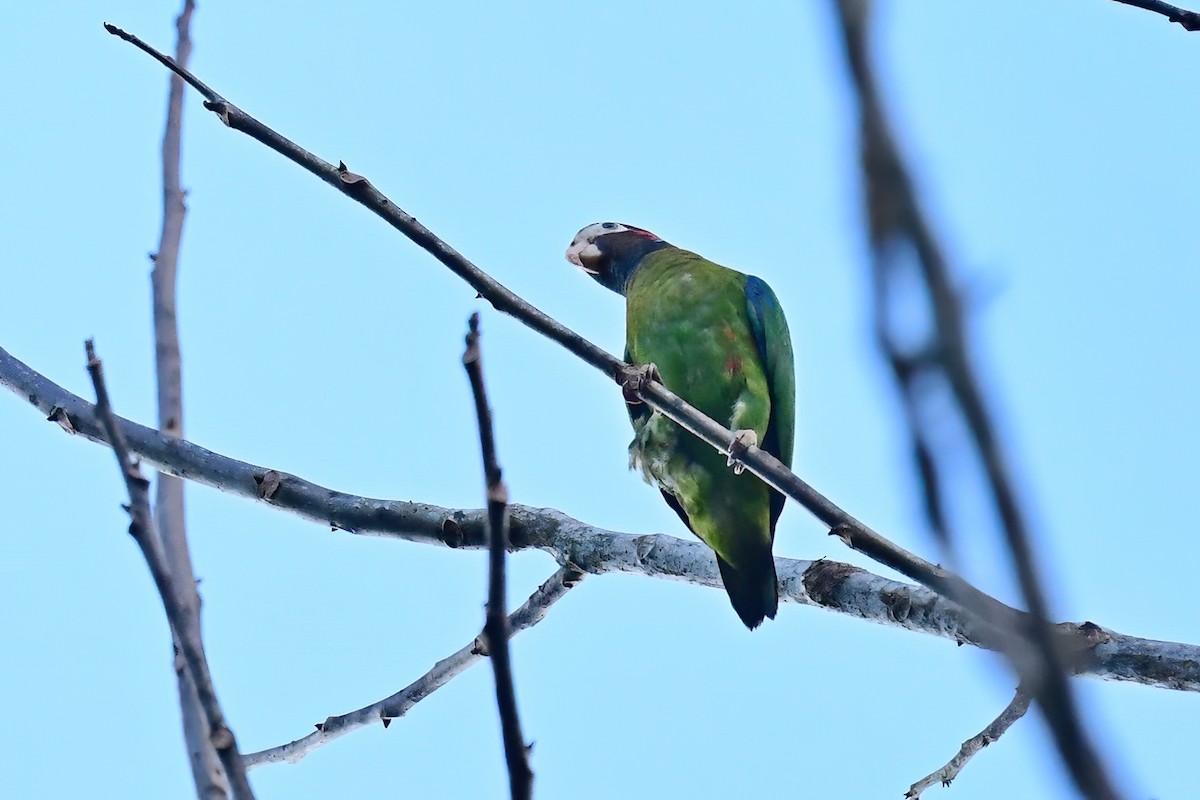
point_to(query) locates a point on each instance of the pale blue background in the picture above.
(1056, 145)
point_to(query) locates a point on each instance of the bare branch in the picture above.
(1012, 712)
(495, 629)
(531, 612)
(828, 584)
(850, 530)
(168, 501)
(184, 625)
(897, 223)
(1190, 20)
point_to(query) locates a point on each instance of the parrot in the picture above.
(718, 338)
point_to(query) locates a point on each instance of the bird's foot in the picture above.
(742, 441)
(633, 379)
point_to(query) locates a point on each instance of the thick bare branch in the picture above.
(898, 224)
(185, 626)
(829, 584)
(496, 629)
(851, 531)
(1190, 20)
(1012, 712)
(168, 500)
(531, 612)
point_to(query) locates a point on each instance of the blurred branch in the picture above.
(1013, 712)
(850, 530)
(897, 225)
(827, 584)
(184, 623)
(168, 501)
(495, 629)
(529, 614)
(1190, 20)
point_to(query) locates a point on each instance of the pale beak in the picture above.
(579, 250)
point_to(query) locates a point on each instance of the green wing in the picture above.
(775, 346)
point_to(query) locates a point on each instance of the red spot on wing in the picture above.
(733, 365)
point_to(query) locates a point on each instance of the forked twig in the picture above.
(397, 705)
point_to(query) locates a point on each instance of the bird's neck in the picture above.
(628, 261)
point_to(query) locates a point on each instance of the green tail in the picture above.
(753, 590)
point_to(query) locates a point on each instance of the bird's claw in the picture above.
(634, 378)
(742, 441)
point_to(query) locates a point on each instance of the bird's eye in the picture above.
(608, 226)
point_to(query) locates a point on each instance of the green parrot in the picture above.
(718, 339)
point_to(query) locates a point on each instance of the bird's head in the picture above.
(610, 252)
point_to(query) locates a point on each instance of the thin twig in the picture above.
(1190, 20)
(531, 612)
(184, 626)
(897, 221)
(495, 629)
(1012, 712)
(850, 530)
(827, 584)
(168, 501)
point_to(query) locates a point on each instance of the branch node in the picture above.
(572, 575)
(59, 414)
(845, 533)
(1093, 634)
(899, 604)
(823, 580)
(518, 535)
(268, 484)
(643, 546)
(223, 110)
(221, 737)
(451, 533)
(351, 179)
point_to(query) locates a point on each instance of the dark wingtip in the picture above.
(753, 592)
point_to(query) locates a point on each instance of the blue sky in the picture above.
(1054, 144)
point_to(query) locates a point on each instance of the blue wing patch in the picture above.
(761, 301)
(774, 343)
